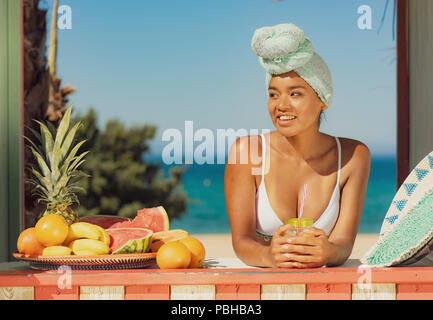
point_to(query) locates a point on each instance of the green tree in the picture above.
(121, 181)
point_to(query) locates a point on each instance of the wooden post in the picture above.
(10, 126)
(402, 94)
(3, 134)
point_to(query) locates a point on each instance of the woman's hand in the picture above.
(277, 250)
(308, 252)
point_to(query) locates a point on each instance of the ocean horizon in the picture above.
(206, 209)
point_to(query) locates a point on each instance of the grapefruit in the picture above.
(196, 249)
(51, 230)
(28, 243)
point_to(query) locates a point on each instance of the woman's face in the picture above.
(293, 105)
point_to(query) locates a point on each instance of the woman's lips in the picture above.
(286, 120)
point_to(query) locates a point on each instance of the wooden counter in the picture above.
(223, 279)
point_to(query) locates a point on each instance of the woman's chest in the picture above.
(283, 187)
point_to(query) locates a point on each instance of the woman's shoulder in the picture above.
(354, 153)
(354, 147)
(246, 150)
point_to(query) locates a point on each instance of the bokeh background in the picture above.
(167, 62)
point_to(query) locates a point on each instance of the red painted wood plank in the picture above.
(329, 291)
(147, 292)
(55, 293)
(219, 276)
(237, 292)
(413, 291)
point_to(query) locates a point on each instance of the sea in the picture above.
(206, 209)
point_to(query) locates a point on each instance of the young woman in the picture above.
(261, 195)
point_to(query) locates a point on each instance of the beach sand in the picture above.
(220, 245)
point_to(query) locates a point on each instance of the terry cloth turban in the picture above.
(283, 48)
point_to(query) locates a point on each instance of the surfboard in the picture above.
(408, 224)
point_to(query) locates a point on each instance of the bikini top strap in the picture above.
(263, 157)
(339, 159)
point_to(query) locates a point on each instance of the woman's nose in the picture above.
(284, 104)
(281, 106)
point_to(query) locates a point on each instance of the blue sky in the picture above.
(165, 62)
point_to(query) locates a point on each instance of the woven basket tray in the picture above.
(96, 262)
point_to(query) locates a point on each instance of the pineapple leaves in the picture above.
(71, 157)
(47, 142)
(42, 165)
(44, 180)
(75, 164)
(77, 189)
(34, 146)
(55, 177)
(61, 184)
(68, 140)
(63, 126)
(35, 133)
(52, 128)
(56, 158)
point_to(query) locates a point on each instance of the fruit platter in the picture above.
(100, 262)
(92, 243)
(109, 242)
(99, 242)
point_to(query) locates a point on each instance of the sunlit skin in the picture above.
(299, 153)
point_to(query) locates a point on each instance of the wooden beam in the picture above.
(402, 93)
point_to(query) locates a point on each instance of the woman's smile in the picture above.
(286, 120)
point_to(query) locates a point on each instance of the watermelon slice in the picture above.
(129, 240)
(155, 219)
(104, 221)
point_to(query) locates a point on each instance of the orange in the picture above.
(173, 255)
(197, 250)
(51, 230)
(28, 244)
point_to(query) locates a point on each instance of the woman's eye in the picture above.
(272, 95)
(296, 94)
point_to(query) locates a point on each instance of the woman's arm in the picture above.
(240, 191)
(351, 204)
(335, 250)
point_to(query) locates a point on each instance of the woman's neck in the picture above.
(306, 145)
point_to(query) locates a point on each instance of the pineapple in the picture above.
(56, 176)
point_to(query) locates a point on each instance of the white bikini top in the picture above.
(266, 219)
